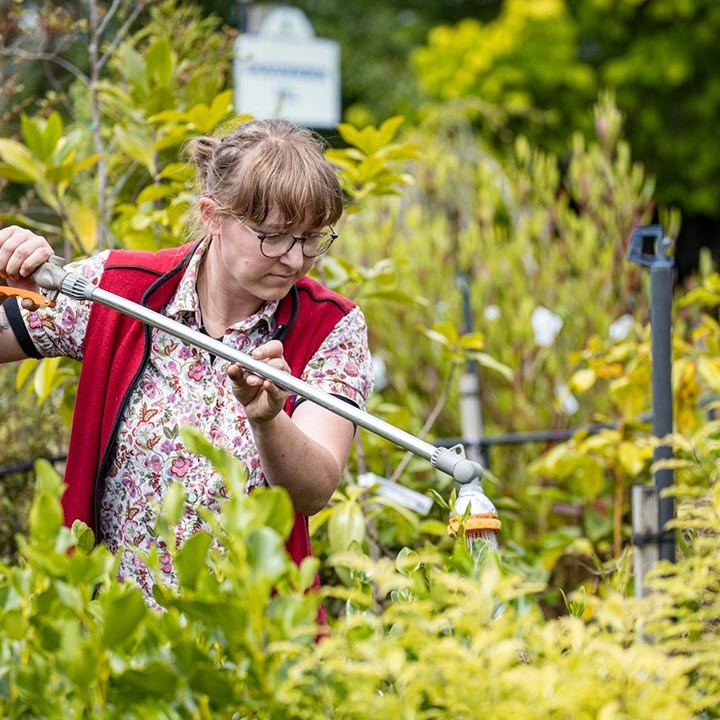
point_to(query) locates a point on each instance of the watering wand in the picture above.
(53, 279)
(476, 512)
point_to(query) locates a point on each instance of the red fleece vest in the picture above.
(116, 350)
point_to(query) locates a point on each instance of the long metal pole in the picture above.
(449, 460)
(471, 421)
(661, 346)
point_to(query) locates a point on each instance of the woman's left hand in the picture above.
(262, 399)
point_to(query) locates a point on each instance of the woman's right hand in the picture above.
(21, 253)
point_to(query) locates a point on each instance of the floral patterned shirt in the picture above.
(184, 385)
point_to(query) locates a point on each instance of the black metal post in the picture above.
(650, 247)
(662, 397)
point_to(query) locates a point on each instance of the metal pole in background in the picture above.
(662, 397)
(652, 512)
(471, 421)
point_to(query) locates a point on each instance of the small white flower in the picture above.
(492, 312)
(546, 325)
(621, 327)
(568, 402)
(380, 370)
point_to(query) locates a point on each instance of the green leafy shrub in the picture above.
(537, 67)
(459, 636)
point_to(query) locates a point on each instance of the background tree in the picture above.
(540, 66)
(537, 69)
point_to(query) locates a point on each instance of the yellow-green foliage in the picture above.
(459, 636)
(511, 64)
(524, 233)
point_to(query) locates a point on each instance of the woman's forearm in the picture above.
(304, 454)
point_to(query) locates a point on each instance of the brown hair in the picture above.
(266, 163)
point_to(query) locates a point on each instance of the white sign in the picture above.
(288, 75)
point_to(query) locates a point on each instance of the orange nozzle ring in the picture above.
(480, 521)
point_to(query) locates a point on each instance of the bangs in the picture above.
(302, 186)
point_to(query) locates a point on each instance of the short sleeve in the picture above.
(343, 365)
(60, 331)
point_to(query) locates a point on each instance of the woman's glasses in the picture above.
(275, 245)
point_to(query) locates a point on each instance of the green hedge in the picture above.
(457, 636)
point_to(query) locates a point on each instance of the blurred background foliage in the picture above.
(493, 184)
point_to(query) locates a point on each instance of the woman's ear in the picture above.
(209, 214)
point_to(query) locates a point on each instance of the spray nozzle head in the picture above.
(474, 510)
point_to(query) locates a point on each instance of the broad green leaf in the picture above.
(587, 481)
(30, 223)
(47, 478)
(159, 61)
(25, 369)
(155, 192)
(489, 362)
(272, 507)
(85, 163)
(308, 570)
(68, 146)
(42, 136)
(85, 536)
(351, 135)
(445, 334)
(632, 458)
(12, 624)
(50, 374)
(69, 595)
(131, 65)
(53, 131)
(389, 128)
(181, 172)
(472, 341)
(46, 516)
(32, 133)
(233, 471)
(220, 107)
(709, 370)
(13, 174)
(21, 159)
(582, 380)
(138, 146)
(345, 526)
(84, 221)
(215, 682)
(156, 680)
(174, 503)
(170, 137)
(59, 175)
(191, 561)
(123, 614)
(267, 556)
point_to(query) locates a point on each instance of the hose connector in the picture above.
(453, 462)
(76, 286)
(49, 277)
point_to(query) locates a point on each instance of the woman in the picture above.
(269, 200)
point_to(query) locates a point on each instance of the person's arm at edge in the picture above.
(10, 349)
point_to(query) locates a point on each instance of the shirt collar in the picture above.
(185, 304)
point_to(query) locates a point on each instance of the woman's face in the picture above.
(245, 270)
